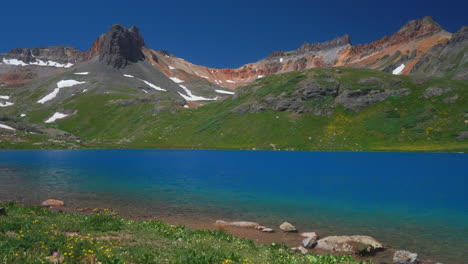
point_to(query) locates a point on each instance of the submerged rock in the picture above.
(244, 224)
(287, 227)
(405, 257)
(356, 245)
(53, 203)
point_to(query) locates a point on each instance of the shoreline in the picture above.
(290, 239)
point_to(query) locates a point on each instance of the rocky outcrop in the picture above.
(358, 99)
(52, 57)
(118, 47)
(356, 245)
(405, 257)
(435, 91)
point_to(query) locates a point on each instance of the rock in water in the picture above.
(309, 242)
(288, 227)
(405, 257)
(357, 245)
(309, 234)
(53, 203)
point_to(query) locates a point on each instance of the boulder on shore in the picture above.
(355, 245)
(244, 224)
(300, 249)
(405, 257)
(53, 203)
(287, 227)
(309, 242)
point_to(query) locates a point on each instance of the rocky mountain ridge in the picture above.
(120, 47)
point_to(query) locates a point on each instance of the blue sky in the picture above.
(217, 33)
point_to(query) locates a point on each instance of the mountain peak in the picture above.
(420, 27)
(119, 46)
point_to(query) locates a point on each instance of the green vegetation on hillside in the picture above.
(398, 123)
(30, 235)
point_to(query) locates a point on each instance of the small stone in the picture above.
(288, 227)
(53, 203)
(309, 242)
(405, 257)
(300, 249)
(268, 230)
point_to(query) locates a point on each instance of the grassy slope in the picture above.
(409, 123)
(32, 235)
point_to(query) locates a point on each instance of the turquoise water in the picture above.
(407, 200)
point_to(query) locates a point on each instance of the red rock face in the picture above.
(16, 79)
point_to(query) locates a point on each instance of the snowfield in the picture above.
(16, 62)
(81, 73)
(171, 68)
(5, 97)
(60, 85)
(129, 76)
(6, 127)
(399, 69)
(191, 97)
(224, 92)
(56, 116)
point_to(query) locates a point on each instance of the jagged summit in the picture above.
(338, 42)
(118, 47)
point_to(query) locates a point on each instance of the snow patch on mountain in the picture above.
(60, 85)
(176, 80)
(224, 92)
(5, 97)
(153, 86)
(192, 97)
(55, 117)
(5, 104)
(81, 73)
(38, 62)
(399, 69)
(129, 76)
(6, 127)
(230, 81)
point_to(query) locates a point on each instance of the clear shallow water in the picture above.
(413, 201)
